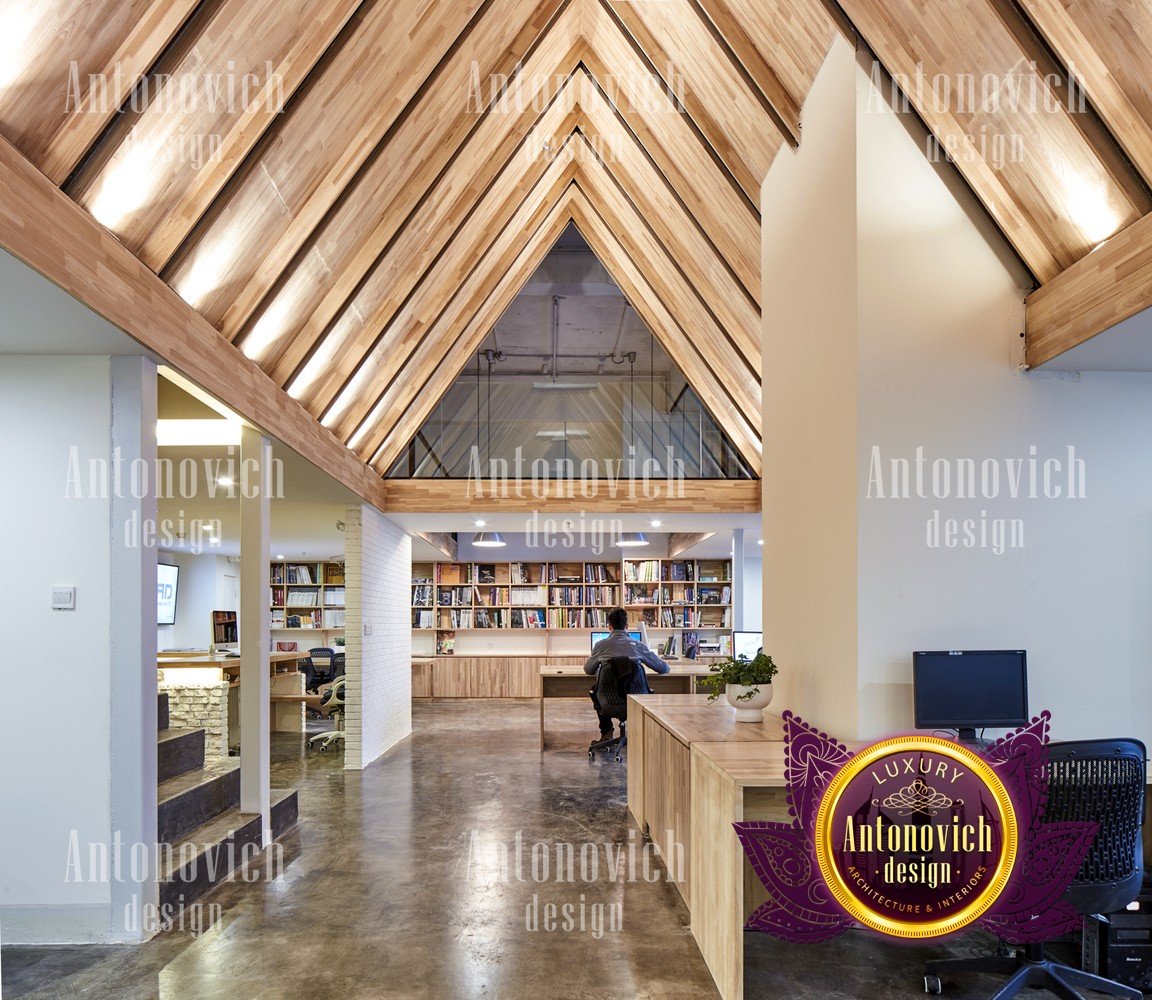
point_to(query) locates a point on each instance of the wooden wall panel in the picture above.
(317, 149)
(171, 160)
(1060, 197)
(378, 204)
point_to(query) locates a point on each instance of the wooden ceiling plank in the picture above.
(1050, 192)
(431, 371)
(724, 366)
(41, 226)
(681, 541)
(210, 105)
(1111, 284)
(730, 220)
(452, 496)
(698, 71)
(781, 43)
(658, 206)
(262, 220)
(378, 216)
(147, 38)
(725, 410)
(1108, 49)
(383, 308)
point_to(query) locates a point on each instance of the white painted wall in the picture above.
(57, 740)
(378, 566)
(752, 594)
(914, 341)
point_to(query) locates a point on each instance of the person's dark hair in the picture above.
(618, 619)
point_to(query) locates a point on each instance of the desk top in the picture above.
(204, 660)
(691, 719)
(756, 765)
(676, 670)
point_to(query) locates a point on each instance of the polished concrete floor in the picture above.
(393, 886)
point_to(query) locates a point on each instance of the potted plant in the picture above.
(747, 684)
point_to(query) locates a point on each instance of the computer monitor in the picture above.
(597, 636)
(968, 690)
(167, 583)
(745, 645)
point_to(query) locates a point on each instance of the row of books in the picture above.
(647, 571)
(292, 573)
(454, 595)
(302, 597)
(283, 619)
(422, 596)
(526, 596)
(333, 617)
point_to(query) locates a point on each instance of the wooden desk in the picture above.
(692, 772)
(573, 682)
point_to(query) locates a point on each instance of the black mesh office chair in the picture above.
(1099, 781)
(320, 669)
(615, 680)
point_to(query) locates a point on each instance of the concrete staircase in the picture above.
(198, 814)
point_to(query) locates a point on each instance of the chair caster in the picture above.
(617, 758)
(932, 984)
(323, 747)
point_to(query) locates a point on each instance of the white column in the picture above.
(255, 627)
(132, 634)
(737, 597)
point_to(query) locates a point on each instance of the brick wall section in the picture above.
(378, 569)
(199, 707)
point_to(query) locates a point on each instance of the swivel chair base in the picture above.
(1030, 968)
(617, 743)
(325, 740)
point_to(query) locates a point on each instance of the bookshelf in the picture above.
(307, 597)
(683, 600)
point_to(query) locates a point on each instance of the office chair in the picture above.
(1099, 781)
(615, 680)
(331, 705)
(321, 659)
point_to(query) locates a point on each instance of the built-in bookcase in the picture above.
(307, 597)
(669, 595)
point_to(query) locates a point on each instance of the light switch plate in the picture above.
(63, 597)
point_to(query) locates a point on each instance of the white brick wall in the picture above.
(199, 707)
(378, 573)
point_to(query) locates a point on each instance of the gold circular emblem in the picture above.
(893, 794)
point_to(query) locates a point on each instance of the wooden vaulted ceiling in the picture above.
(358, 218)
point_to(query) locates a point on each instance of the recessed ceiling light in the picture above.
(224, 481)
(480, 524)
(655, 524)
(759, 541)
(281, 556)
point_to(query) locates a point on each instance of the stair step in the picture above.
(206, 855)
(285, 811)
(162, 711)
(179, 751)
(191, 799)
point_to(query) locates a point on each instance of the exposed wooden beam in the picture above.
(1108, 49)
(725, 411)
(274, 313)
(731, 221)
(44, 228)
(149, 36)
(210, 103)
(428, 374)
(356, 273)
(1109, 285)
(682, 541)
(1052, 194)
(627, 496)
(266, 216)
(442, 541)
(699, 72)
(375, 343)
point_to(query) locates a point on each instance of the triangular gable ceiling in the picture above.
(492, 412)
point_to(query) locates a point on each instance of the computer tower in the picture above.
(1118, 946)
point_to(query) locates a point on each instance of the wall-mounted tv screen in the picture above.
(167, 582)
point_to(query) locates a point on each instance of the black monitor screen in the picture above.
(971, 689)
(599, 636)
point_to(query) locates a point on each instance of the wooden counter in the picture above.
(693, 771)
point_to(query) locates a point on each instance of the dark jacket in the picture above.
(620, 643)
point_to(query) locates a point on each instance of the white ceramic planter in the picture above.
(751, 710)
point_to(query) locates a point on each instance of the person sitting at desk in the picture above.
(619, 643)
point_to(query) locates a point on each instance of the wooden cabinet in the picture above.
(483, 676)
